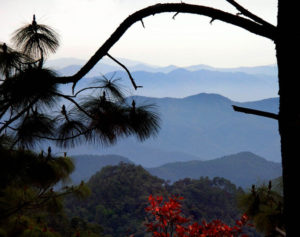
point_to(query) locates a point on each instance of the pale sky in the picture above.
(83, 25)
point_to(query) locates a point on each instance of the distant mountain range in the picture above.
(239, 84)
(199, 127)
(106, 65)
(242, 169)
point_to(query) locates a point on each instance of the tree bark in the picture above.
(287, 47)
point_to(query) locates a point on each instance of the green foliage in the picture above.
(264, 206)
(119, 196)
(27, 196)
(208, 199)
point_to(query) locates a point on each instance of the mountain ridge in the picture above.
(134, 65)
(243, 168)
(203, 126)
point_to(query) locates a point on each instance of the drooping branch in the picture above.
(255, 112)
(247, 24)
(65, 138)
(126, 69)
(86, 88)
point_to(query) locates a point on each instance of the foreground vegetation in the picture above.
(119, 196)
(113, 201)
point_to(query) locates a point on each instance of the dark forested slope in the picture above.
(120, 194)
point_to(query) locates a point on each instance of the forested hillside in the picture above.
(119, 195)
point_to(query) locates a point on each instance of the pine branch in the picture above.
(12, 119)
(75, 103)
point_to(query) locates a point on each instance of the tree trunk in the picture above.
(288, 51)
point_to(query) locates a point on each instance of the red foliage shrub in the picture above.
(167, 221)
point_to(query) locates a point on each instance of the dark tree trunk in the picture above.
(288, 52)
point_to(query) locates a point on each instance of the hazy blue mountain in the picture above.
(240, 84)
(88, 165)
(243, 169)
(134, 65)
(200, 127)
(180, 83)
(97, 71)
(68, 66)
(64, 62)
(269, 70)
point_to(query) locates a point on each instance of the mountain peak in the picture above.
(207, 96)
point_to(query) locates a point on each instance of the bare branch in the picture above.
(255, 112)
(262, 30)
(125, 68)
(249, 14)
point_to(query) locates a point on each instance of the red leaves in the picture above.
(168, 221)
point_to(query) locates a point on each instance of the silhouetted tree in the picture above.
(286, 41)
(30, 113)
(29, 94)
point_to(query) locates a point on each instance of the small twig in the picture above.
(15, 129)
(74, 102)
(212, 20)
(255, 112)
(87, 88)
(128, 72)
(245, 12)
(143, 23)
(175, 15)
